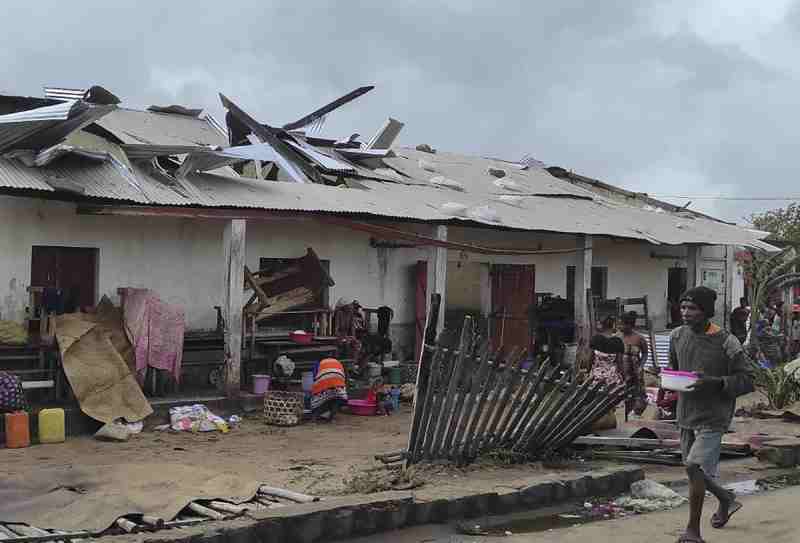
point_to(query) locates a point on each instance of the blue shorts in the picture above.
(702, 448)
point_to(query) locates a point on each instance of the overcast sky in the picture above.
(671, 97)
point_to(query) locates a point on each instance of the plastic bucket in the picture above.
(260, 383)
(308, 381)
(18, 432)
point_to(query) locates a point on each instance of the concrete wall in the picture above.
(181, 259)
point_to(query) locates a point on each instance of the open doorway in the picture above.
(676, 285)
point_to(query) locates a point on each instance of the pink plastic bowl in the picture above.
(362, 408)
(677, 380)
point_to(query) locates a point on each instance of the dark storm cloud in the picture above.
(600, 87)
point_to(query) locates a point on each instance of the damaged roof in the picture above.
(158, 158)
(131, 126)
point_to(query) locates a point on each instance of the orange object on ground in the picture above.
(18, 434)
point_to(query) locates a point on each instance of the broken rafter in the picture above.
(324, 110)
(259, 292)
(289, 160)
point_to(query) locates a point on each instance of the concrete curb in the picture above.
(342, 518)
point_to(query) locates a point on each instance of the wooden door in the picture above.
(513, 295)
(71, 269)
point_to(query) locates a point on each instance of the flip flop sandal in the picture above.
(717, 522)
(686, 538)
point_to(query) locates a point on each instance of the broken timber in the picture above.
(471, 401)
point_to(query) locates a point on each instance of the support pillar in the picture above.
(486, 290)
(583, 282)
(437, 273)
(233, 241)
(692, 257)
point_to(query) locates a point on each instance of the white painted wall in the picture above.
(182, 259)
(632, 270)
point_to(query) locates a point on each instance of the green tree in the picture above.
(784, 223)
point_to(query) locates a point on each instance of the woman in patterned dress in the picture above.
(633, 360)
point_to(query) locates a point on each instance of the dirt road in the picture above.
(766, 517)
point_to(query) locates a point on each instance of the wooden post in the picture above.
(583, 284)
(692, 253)
(437, 273)
(486, 290)
(232, 302)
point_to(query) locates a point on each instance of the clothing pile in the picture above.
(196, 418)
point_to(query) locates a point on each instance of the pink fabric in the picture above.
(155, 329)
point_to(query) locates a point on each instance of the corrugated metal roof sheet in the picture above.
(132, 127)
(539, 200)
(16, 176)
(43, 127)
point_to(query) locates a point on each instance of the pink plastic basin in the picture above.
(677, 380)
(362, 408)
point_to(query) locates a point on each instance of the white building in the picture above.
(108, 208)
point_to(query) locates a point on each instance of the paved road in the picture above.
(770, 518)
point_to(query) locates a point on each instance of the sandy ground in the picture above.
(311, 457)
(314, 458)
(321, 459)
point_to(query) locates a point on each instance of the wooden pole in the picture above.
(232, 303)
(287, 494)
(583, 284)
(437, 273)
(206, 512)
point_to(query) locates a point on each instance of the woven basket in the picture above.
(409, 372)
(283, 408)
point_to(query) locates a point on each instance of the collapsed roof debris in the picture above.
(107, 155)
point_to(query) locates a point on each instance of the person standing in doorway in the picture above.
(706, 410)
(739, 318)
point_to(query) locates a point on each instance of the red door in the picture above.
(71, 269)
(513, 289)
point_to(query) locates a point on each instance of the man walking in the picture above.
(705, 412)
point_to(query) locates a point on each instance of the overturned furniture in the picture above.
(470, 402)
(288, 290)
(278, 290)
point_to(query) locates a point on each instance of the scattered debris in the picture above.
(496, 172)
(114, 431)
(196, 418)
(648, 496)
